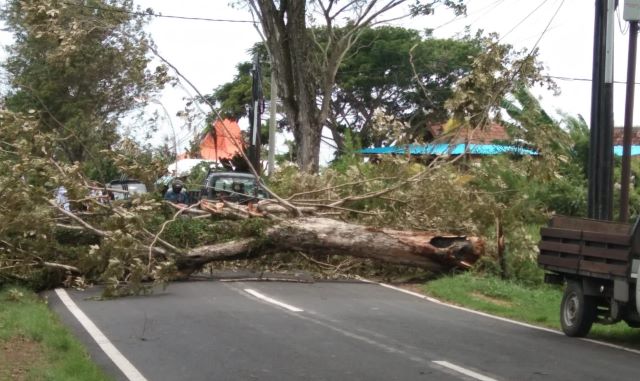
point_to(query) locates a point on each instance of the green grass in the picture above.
(59, 355)
(538, 305)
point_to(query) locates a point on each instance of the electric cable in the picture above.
(523, 20)
(150, 13)
(492, 6)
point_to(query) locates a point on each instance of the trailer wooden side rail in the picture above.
(584, 247)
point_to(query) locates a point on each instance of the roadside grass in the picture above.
(539, 305)
(54, 354)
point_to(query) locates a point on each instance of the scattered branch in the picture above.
(334, 187)
(79, 220)
(71, 269)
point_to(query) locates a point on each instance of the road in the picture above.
(210, 330)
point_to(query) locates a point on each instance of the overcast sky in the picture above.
(207, 52)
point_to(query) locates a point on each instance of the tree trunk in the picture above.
(308, 137)
(337, 136)
(435, 252)
(305, 74)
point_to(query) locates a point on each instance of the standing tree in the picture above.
(79, 66)
(395, 71)
(306, 65)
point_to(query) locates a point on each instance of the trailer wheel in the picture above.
(577, 311)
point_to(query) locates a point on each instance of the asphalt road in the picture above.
(208, 330)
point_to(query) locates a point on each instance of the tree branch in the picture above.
(79, 220)
(339, 186)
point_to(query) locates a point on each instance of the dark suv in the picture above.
(232, 186)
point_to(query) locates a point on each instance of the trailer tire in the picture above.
(577, 310)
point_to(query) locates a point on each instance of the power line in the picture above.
(546, 28)
(157, 15)
(564, 78)
(486, 10)
(523, 19)
(457, 17)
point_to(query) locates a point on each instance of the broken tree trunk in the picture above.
(436, 252)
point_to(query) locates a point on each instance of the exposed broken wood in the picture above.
(268, 206)
(70, 227)
(218, 208)
(186, 209)
(71, 269)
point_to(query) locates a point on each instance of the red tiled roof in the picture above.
(618, 133)
(491, 133)
(227, 143)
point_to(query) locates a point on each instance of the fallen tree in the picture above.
(124, 243)
(436, 252)
(313, 235)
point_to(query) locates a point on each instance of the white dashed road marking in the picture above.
(465, 371)
(272, 301)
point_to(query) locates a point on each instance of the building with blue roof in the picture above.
(485, 142)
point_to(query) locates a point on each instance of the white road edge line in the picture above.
(109, 349)
(272, 301)
(465, 371)
(434, 300)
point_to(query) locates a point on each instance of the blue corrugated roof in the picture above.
(445, 149)
(473, 149)
(635, 150)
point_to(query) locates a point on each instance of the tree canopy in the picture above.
(79, 68)
(76, 69)
(398, 72)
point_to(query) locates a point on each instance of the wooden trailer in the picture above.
(598, 262)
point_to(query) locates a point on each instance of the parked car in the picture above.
(124, 189)
(232, 186)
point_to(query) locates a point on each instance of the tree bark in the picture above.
(308, 134)
(435, 252)
(306, 67)
(200, 256)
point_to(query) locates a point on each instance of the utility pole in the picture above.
(273, 105)
(254, 115)
(631, 14)
(600, 198)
